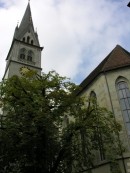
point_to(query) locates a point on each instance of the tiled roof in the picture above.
(117, 58)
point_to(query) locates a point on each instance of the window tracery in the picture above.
(98, 130)
(22, 53)
(124, 98)
(30, 55)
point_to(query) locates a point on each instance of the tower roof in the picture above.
(117, 58)
(27, 18)
(25, 25)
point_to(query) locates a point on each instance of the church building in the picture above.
(109, 82)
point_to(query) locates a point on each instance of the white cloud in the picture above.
(76, 36)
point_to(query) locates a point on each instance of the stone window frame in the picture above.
(30, 55)
(26, 55)
(123, 91)
(22, 53)
(93, 98)
(28, 39)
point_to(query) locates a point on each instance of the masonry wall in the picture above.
(105, 88)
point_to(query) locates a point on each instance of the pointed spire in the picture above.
(27, 18)
(26, 26)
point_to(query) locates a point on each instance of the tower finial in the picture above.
(28, 1)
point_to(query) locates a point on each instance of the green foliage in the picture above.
(32, 136)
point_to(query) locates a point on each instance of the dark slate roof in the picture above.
(117, 58)
(26, 24)
(27, 18)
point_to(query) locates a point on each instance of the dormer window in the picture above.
(28, 39)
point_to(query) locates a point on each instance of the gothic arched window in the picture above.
(124, 97)
(32, 42)
(93, 98)
(30, 55)
(22, 53)
(98, 130)
(93, 94)
(28, 39)
(24, 39)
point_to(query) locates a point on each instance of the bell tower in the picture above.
(25, 50)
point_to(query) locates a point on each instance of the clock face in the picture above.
(24, 70)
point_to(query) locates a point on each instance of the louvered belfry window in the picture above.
(30, 55)
(22, 53)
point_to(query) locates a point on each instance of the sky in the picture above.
(76, 34)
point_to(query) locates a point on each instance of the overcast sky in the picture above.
(76, 34)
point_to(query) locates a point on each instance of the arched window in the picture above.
(28, 39)
(93, 98)
(24, 39)
(124, 97)
(98, 130)
(93, 95)
(30, 55)
(22, 53)
(31, 41)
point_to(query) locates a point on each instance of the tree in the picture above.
(32, 136)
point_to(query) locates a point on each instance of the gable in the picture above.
(117, 58)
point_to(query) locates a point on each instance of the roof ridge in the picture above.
(125, 51)
(109, 55)
(107, 66)
(117, 58)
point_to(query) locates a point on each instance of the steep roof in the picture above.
(25, 25)
(117, 58)
(27, 18)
